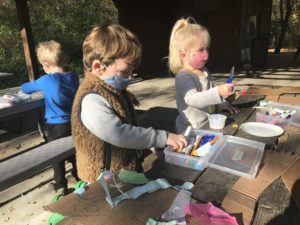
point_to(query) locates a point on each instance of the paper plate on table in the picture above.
(261, 129)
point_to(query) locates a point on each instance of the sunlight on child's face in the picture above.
(198, 45)
(121, 67)
(196, 53)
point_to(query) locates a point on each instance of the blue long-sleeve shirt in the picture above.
(59, 91)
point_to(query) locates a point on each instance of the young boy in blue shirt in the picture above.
(59, 88)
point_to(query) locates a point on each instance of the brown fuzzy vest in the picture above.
(90, 154)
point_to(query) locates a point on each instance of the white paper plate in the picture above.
(261, 129)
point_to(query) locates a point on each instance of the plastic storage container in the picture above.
(237, 155)
(193, 162)
(231, 154)
(295, 119)
(265, 117)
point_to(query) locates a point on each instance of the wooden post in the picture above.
(27, 38)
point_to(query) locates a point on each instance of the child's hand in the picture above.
(225, 89)
(227, 107)
(176, 141)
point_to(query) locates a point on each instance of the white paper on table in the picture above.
(9, 100)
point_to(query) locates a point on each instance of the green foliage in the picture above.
(67, 22)
(292, 35)
(11, 49)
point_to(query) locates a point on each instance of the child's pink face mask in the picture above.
(198, 59)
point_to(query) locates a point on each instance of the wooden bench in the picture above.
(26, 165)
(6, 76)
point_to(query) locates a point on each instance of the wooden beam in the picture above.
(27, 38)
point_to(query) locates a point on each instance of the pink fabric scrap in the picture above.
(208, 214)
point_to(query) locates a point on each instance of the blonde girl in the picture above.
(195, 92)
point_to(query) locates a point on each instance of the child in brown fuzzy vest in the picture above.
(104, 124)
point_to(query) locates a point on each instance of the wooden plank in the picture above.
(291, 178)
(289, 100)
(274, 165)
(291, 145)
(213, 185)
(27, 38)
(30, 163)
(173, 173)
(247, 100)
(6, 76)
(92, 207)
(276, 206)
(234, 121)
(237, 202)
(37, 102)
(277, 94)
(246, 192)
(273, 90)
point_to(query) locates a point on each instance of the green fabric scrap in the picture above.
(55, 218)
(132, 177)
(154, 222)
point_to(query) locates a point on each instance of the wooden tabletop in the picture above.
(36, 102)
(211, 185)
(18, 110)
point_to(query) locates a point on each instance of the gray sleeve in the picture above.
(98, 116)
(184, 83)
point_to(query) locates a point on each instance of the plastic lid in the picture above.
(237, 155)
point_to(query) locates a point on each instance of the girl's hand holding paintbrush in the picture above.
(227, 88)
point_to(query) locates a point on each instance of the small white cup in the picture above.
(217, 121)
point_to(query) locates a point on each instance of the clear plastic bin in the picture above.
(265, 117)
(185, 160)
(295, 119)
(231, 154)
(237, 155)
(193, 162)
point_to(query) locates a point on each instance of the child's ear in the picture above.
(97, 67)
(46, 65)
(182, 55)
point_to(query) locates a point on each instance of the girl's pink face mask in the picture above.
(198, 59)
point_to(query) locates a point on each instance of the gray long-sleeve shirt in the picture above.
(193, 97)
(98, 116)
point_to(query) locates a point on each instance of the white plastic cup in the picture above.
(216, 121)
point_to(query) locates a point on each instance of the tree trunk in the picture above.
(284, 23)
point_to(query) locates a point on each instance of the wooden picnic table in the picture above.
(211, 185)
(214, 185)
(36, 103)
